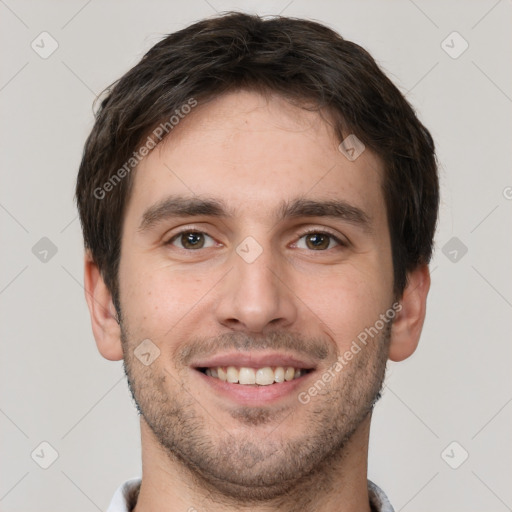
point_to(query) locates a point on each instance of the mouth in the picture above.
(253, 379)
(247, 376)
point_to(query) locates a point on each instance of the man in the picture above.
(258, 203)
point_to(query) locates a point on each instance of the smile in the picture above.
(254, 376)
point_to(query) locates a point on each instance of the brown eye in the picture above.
(190, 240)
(318, 241)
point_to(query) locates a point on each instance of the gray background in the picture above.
(55, 387)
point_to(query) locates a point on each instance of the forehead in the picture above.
(254, 152)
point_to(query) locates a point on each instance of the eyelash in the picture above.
(340, 243)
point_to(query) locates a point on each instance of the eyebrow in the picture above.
(181, 206)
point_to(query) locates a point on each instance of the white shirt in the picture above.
(120, 502)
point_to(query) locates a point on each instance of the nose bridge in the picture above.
(253, 295)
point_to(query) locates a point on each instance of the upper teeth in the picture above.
(262, 376)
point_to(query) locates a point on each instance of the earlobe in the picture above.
(407, 326)
(105, 326)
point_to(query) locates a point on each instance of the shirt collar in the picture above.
(125, 497)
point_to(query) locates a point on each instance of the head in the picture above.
(224, 222)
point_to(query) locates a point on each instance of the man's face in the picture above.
(253, 290)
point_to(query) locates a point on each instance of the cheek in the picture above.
(160, 299)
(348, 301)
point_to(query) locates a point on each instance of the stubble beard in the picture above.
(245, 469)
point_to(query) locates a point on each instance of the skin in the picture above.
(205, 450)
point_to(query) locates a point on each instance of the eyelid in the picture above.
(341, 240)
(187, 229)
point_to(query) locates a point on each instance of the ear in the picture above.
(407, 326)
(105, 328)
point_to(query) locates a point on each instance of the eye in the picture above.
(319, 241)
(191, 240)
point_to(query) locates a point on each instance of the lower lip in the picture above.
(254, 394)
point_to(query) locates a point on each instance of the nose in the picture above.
(257, 296)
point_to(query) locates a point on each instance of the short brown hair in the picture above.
(299, 59)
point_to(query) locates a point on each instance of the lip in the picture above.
(254, 360)
(253, 395)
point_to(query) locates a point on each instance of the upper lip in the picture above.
(254, 360)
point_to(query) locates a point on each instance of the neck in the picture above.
(340, 485)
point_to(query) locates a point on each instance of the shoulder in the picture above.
(125, 497)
